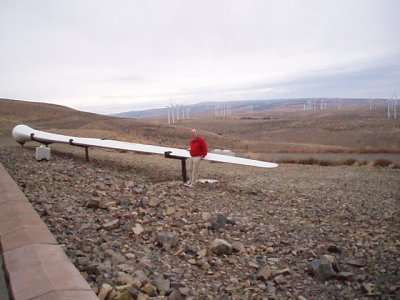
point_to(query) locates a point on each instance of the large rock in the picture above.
(321, 269)
(220, 247)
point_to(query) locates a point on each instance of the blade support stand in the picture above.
(71, 142)
(167, 154)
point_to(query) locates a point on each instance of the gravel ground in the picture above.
(135, 231)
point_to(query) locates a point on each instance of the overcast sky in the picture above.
(111, 56)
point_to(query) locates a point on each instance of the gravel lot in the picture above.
(128, 223)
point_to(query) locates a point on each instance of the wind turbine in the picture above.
(169, 115)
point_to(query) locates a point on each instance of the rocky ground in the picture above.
(295, 232)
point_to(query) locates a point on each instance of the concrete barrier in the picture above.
(35, 265)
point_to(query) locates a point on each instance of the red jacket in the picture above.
(198, 147)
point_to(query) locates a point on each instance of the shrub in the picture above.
(309, 161)
(382, 163)
(348, 162)
(326, 163)
(287, 161)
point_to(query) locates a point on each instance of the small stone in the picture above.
(205, 266)
(238, 247)
(170, 211)
(130, 255)
(138, 229)
(154, 202)
(202, 253)
(175, 295)
(93, 202)
(92, 269)
(355, 263)
(254, 264)
(220, 247)
(142, 296)
(345, 276)
(125, 203)
(113, 294)
(85, 275)
(333, 262)
(129, 184)
(136, 283)
(124, 296)
(105, 291)
(107, 204)
(219, 223)
(300, 297)
(270, 250)
(163, 285)
(206, 216)
(124, 279)
(283, 272)
(184, 291)
(367, 288)
(140, 276)
(168, 239)
(114, 224)
(279, 279)
(334, 249)
(264, 274)
(150, 290)
(133, 291)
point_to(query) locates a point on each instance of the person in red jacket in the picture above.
(198, 151)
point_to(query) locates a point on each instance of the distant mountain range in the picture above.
(256, 105)
(207, 107)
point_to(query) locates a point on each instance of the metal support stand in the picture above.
(36, 140)
(71, 142)
(167, 154)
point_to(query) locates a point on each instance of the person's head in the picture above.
(194, 133)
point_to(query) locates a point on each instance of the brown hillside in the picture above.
(64, 120)
(283, 129)
(293, 130)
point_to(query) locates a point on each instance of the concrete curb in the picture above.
(35, 265)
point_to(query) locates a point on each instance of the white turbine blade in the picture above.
(23, 134)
